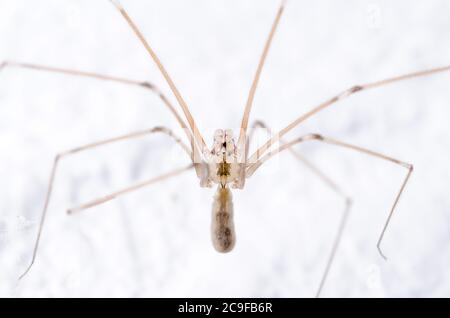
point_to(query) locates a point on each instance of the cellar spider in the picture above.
(228, 163)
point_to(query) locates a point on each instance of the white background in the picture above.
(156, 242)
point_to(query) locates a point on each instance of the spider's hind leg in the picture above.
(332, 185)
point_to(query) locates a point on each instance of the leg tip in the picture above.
(25, 272)
(381, 253)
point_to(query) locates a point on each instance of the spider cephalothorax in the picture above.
(222, 162)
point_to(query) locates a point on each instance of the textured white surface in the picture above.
(156, 242)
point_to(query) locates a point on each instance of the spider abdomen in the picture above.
(222, 225)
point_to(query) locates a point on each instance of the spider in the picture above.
(228, 163)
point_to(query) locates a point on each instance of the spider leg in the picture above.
(127, 190)
(333, 186)
(262, 60)
(90, 146)
(345, 94)
(197, 136)
(316, 137)
(120, 80)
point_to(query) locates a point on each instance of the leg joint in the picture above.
(162, 129)
(311, 137)
(147, 85)
(408, 166)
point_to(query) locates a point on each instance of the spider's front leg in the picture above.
(115, 79)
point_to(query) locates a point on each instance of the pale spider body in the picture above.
(222, 167)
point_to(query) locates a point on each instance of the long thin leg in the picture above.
(197, 136)
(316, 137)
(330, 183)
(81, 149)
(127, 190)
(121, 80)
(336, 243)
(341, 96)
(251, 94)
(327, 180)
